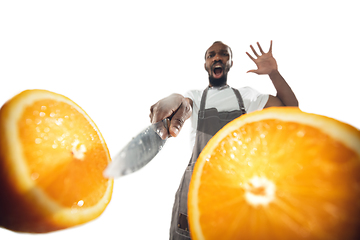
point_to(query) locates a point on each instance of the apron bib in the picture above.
(210, 121)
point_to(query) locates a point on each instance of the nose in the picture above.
(218, 58)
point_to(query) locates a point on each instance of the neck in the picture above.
(219, 87)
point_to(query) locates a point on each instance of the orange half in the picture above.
(279, 173)
(52, 156)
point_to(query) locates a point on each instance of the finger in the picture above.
(158, 115)
(151, 114)
(159, 112)
(270, 49)
(252, 48)
(179, 118)
(262, 52)
(250, 56)
(253, 71)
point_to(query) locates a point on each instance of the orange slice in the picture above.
(278, 173)
(52, 156)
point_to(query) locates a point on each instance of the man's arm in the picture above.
(284, 96)
(176, 107)
(266, 64)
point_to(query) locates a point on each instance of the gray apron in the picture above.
(210, 121)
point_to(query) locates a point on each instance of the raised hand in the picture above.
(265, 62)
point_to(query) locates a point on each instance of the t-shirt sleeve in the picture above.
(190, 94)
(195, 96)
(253, 100)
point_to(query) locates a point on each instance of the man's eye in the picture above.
(210, 55)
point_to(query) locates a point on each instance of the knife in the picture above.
(139, 151)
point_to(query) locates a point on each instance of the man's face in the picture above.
(218, 63)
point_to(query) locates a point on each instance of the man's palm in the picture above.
(265, 62)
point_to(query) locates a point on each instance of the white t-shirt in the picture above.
(224, 99)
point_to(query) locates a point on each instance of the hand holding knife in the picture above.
(146, 145)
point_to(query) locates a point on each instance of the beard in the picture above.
(218, 82)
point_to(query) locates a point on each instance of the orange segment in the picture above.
(52, 156)
(278, 174)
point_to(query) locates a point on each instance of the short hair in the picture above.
(231, 54)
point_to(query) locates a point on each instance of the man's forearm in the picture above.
(284, 92)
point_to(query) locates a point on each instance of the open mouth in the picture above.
(217, 71)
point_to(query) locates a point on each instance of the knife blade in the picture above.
(139, 151)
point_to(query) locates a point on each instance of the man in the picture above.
(214, 107)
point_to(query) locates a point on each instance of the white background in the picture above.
(117, 58)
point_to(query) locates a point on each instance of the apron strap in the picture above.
(240, 101)
(202, 103)
(203, 100)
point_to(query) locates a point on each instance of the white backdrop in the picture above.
(117, 58)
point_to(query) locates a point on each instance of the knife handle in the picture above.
(166, 122)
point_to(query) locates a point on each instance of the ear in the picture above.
(205, 66)
(231, 65)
